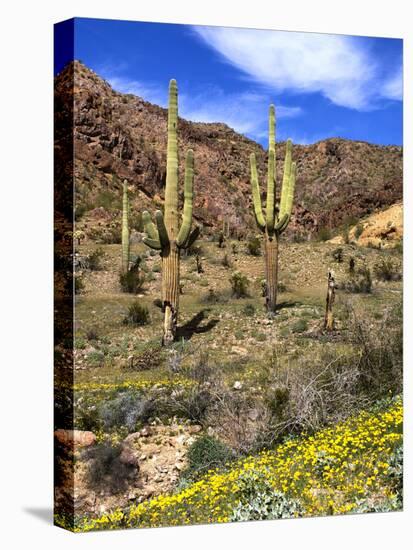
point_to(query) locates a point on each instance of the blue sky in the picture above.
(322, 85)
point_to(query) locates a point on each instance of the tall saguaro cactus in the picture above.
(125, 228)
(166, 235)
(277, 215)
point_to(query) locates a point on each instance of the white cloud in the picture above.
(339, 67)
(245, 112)
(125, 85)
(393, 87)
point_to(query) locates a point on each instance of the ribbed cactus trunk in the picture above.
(271, 271)
(170, 292)
(125, 228)
(276, 217)
(170, 255)
(167, 236)
(331, 286)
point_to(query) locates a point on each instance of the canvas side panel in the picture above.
(64, 280)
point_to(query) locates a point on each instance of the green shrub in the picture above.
(358, 231)
(395, 471)
(127, 410)
(323, 234)
(360, 282)
(281, 287)
(239, 284)
(96, 358)
(91, 334)
(79, 284)
(248, 310)
(214, 297)
(300, 326)
(137, 315)
(258, 500)
(254, 246)
(387, 270)
(109, 235)
(337, 255)
(133, 280)
(80, 343)
(206, 453)
(94, 259)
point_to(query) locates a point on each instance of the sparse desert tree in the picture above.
(167, 236)
(277, 216)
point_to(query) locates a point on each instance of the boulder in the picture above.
(75, 438)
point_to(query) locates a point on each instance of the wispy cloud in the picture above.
(245, 112)
(341, 68)
(147, 90)
(393, 87)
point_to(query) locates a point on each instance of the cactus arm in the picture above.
(282, 223)
(152, 243)
(188, 199)
(171, 189)
(286, 178)
(271, 191)
(256, 197)
(192, 237)
(162, 232)
(291, 188)
(149, 226)
(285, 220)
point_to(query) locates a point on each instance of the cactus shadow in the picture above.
(194, 326)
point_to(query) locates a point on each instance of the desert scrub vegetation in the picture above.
(94, 259)
(132, 280)
(336, 470)
(359, 281)
(137, 315)
(254, 246)
(106, 471)
(387, 270)
(239, 284)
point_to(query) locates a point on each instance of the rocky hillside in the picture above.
(121, 136)
(382, 229)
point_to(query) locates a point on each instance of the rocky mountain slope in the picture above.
(121, 136)
(382, 229)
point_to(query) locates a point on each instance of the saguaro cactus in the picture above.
(166, 235)
(331, 286)
(277, 216)
(125, 228)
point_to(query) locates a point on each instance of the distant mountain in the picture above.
(121, 136)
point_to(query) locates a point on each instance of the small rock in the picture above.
(237, 385)
(196, 428)
(146, 431)
(128, 456)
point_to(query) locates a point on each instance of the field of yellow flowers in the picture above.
(341, 469)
